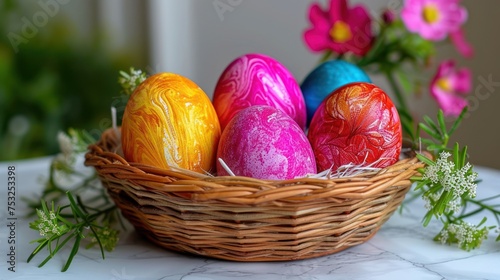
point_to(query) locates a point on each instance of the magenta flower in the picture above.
(339, 29)
(449, 86)
(433, 19)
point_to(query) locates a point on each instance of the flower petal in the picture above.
(451, 105)
(463, 47)
(317, 41)
(462, 81)
(360, 23)
(318, 17)
(338, 10)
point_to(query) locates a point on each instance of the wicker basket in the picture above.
(245, 219)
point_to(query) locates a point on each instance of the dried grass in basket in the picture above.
(245, 219)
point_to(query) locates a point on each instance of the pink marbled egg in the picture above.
(257, 79)
(264, 143)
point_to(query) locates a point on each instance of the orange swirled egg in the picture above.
(170, 122)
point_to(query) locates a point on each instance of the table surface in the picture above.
(402, 249)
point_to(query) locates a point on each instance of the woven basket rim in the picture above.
(105, 157)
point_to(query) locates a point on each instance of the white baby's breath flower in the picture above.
(458, 182)
(129, 81)
(443, 236)
(467, 236)
(48, 227)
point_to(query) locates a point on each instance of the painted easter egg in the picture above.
(257, 79)
(326, 78)
(356, 124)
(170, 121)
(264, 143)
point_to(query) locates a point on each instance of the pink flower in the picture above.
(448, 87)
(433, 19)
(339, 29)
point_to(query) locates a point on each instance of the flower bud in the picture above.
(388, 16)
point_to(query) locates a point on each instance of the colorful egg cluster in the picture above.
(257, 79)
(261, 111)
(170, 121)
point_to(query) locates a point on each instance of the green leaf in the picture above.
(405, 81)
(74, 206)
(421, 184)
(408, 129)
(442, 123)
(37, 249)
(457, 122)
(430, 131)
(74, 251)
(427, 218)
(463, 156)
(432, 124)
(456, 156)
(482, 222)
(425, 159)
(98, 241)
(435, 148)
(58, 247)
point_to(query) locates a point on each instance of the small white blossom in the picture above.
(130, 81)
(48, 227)
(466, 235)
(459, 182)
(443, 237)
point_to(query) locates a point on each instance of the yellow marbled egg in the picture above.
(170, 121)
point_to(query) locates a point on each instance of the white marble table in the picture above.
(402, 249)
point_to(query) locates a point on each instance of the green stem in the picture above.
(483, 207)
(397, 92)
(403, 110)
(325, 57)
(105, 211)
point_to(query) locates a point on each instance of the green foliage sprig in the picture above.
(448, 185)
(88, 215)
(57, 228)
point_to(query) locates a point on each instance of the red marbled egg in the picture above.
(358, 124)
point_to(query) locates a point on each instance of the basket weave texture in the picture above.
(246, 219)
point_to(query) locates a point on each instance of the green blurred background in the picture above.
(52, 77)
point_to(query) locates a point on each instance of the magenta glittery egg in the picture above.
(257, 79)
(264, 143)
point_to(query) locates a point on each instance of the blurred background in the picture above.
(59, 60)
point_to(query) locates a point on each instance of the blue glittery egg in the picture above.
(326, 78)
